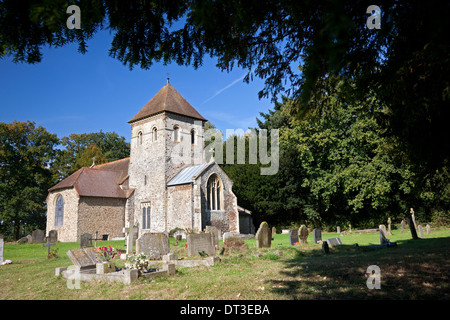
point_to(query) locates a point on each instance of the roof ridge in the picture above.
(98, 165)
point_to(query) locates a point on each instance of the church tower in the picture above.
(166, 136)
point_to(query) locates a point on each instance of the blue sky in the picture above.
(69, 92)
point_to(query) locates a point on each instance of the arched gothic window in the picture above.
(59, 211)
(214, 193)
(146, 216)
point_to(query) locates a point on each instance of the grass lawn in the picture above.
(412, 270)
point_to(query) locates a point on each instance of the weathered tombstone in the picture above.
(263, 236)
(29, 238)
(86, 240)
(383, 239)
(333, 241)
(420, 231)
(413, 217)
(303, 234)
(227, 235)
(402, 226)
(1, 248)
(130, 237)
(83, 258)
(53, 236)
(200, 244)
(293, 236)
(389, 232)
(274, 231)
(37, 236)
(215, 235)
(154, 244)
(317, 235)
(338, 230)
(428, 228)
(412, 228)
(325, 248)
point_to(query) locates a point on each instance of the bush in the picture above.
(440, 218)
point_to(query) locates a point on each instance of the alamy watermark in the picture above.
(74, 21)
(374, 20)
(374, 278)
(262, 145)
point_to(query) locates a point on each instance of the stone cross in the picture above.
(48, 245)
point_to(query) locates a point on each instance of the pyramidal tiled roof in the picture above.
(167, 99)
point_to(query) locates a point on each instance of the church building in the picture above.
(166, 182)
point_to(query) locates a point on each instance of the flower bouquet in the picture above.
(139, 262)
(105, 254)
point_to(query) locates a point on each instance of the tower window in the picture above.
(140, 137)
(192, 136)
(146, 216)
(155, 134)
(176, 134)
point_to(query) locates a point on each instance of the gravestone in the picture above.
(325, 248)
(389, 232)
(199, 243)
(402, 226)
(382, 229)
(215, 235)
(428, 228)
(334, 241)
(86, 240)
(303, 234)
(338, 230)
(293, 236)
(317, 235)
(274, 231)
(2, 244)
(228, 235)
(263, 236)
(420, 228)
(83, 258)
(53, 236)
(131, 233)
(48, 245)
(154, 244)
(37, 236)
(412, 229)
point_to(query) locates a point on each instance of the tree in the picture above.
(109, 144)
(290, 44)
(26, 153)
(91, 155)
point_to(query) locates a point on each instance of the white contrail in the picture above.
(223, 89)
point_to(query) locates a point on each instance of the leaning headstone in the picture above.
(215, 234)
(263, 236)
(413, 229)
(154, 244)
(200, 244)
(293, 236)
(303, 234)
(383, 239)
(402, 226)
(420, 228)
(37, 236)
(53, 236)
(1, 248)
(317, 235)
(333, 241)
(83, 258)
(428, 228)
(86, 240)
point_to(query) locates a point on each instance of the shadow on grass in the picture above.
(414, 269)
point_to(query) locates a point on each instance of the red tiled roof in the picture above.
(167, 99)
(100, 181)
